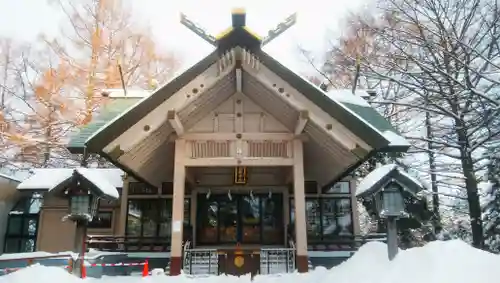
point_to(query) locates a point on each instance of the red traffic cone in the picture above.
(84, 271)
(70, 265)
(145, 269)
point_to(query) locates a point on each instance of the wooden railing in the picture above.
(133, 243)
(339, 243)
(128, 243)
(344, 243)
(162, 244)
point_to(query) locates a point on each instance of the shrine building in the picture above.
(237, 163)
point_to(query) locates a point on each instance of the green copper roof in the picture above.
(360, 107)
(111, 110)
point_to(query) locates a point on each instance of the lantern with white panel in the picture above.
(84, 190)
(392, 201)
(83, 204)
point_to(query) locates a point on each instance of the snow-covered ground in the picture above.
(438, 262)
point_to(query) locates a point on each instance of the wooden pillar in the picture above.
(193, 211)
(123, 207)
(178, 207)
(286, 214)
(300, 207)
(354, 208)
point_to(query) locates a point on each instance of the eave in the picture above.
(115, 128)
(137, 145)
(318, 97)
(125, 168)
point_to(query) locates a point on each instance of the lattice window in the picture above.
(267, 149)
(209, 149)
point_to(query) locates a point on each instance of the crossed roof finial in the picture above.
(238, 16)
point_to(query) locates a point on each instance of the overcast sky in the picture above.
(25, 19)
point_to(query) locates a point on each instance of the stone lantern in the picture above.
(386, 188)
(84, 188)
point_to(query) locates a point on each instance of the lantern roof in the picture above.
(100, 182)
(382, 177)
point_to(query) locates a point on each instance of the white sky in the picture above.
(25, 19)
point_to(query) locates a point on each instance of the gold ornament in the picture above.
(239, 261)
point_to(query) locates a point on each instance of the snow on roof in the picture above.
(45, 179)
(113, 175)
(346, 96)
(373, 177)
(10, 178)
(422, 184)
(119, 116)
(49, 178)
(100, 181)
(395, 139)
(436, 262)
(15, 174)
(380, 173)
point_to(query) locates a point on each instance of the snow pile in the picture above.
(437, 262)
(40, 274)
(451, 261)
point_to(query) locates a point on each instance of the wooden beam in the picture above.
(243, 136)
(198, 30)
(174, 120)
(280, 28)
(338, 132)
(231, 161)
(239, 80)
(302, 121)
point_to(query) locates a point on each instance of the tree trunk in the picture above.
(436, 219)
(471, 186)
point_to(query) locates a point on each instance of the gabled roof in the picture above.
(121, 122)
(359, 106)
(112, 109)
(361, 119)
